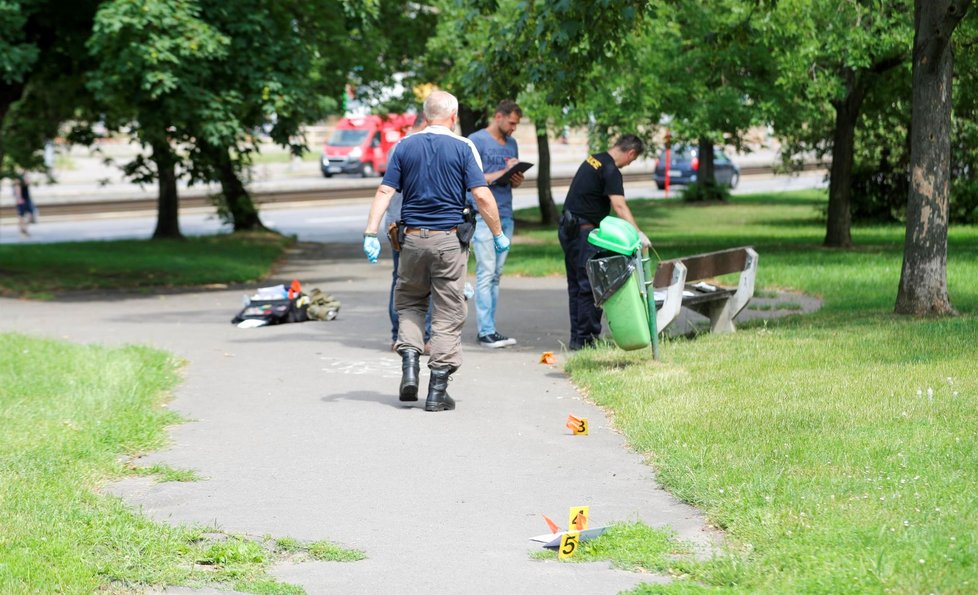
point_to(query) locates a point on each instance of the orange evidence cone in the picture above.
(580, 521)
(573, 423)
(553, 526)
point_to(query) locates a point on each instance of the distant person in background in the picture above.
(49, 155)
(25, 206)
(393, 215)
(499, 152)
(596, 189)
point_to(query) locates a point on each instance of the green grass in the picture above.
(631, 546)
(165, 473)
(775, 306)
(272, 156)
(40, 270)
(324, 550)
(71, 417)
(837, 449)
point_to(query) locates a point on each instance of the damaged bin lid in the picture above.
(616, 235)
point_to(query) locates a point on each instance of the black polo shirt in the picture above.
(596, 180)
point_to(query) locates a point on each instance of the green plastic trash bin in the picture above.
(628, 318)
(615, 283)
(616, 235)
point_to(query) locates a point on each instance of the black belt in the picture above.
(425, 231)
(584, 223)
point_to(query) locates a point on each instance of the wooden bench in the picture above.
(681, 282)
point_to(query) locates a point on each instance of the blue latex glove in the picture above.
(371, 247)
(501, 242)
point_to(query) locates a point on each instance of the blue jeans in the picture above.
(488, 270)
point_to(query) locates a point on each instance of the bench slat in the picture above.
(703, 266)
(700, 297)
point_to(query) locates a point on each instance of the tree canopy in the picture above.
(830, 56)
(191, 81)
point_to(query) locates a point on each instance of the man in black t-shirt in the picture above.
(597, 188)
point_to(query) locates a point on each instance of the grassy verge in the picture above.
(276, 156)
(70, 417)
(631, 546)
(40, 270)
(838, 450)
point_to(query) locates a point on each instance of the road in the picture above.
(339, 220)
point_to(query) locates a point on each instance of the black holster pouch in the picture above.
(570, 224)
(401, 233)
(466, 229)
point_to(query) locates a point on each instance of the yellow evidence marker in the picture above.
(568, 544)
(578, 517)
(576, 425)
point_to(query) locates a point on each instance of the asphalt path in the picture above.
(297, 432)
(327, 221)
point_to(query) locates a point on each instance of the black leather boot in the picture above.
(438, 399)
(410, 368)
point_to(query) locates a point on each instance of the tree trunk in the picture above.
(167, 218)
(548, 210)
(923, 278)
(706, 174)
(244, 213)
(838, 232)
(8, 95)
(470, 120)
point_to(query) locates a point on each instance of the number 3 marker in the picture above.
(577, 425)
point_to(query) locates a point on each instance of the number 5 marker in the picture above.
(568, 544)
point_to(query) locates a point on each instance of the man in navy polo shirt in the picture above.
(432, 169)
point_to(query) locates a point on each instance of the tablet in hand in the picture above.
(520, 167)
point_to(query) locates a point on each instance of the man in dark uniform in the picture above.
(597, 188)
(432, 169)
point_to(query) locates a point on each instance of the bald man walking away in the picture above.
(432, 169)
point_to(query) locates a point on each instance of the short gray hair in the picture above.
(440, 105)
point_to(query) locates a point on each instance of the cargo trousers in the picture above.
(432, 267)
